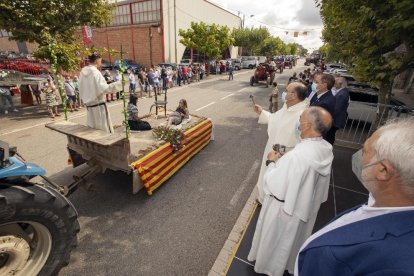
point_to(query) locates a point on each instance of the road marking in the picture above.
(242, 89)
(236, 196)
(205, 106)
(227, 96)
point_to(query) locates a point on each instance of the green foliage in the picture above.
(271, 46)
(173, 136)
(38, 20)
(208, 39)
(66, 55)
(258, 41)
(53, 23)
(252, 40)
(376, 36)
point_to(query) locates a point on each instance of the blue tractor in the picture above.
(38, 224)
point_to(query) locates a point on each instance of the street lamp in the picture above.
(244, 18)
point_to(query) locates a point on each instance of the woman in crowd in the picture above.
(179, 114)
(51, 99)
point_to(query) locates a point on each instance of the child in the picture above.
(273, 99)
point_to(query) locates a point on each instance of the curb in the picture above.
(226, 255)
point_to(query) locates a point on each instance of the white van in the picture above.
(261, 59)
(249, 62)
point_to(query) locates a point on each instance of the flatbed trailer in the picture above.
(148, 162)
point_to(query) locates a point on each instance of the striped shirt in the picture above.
(132, 111)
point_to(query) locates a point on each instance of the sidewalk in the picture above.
(345, 192)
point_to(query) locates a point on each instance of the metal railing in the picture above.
(364, 118)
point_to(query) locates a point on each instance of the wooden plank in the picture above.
(83, 132)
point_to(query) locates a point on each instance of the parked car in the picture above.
(168, 65)
(186, 62)
(249, 62)
(129, 64)
(106, 65)
(330, 67)
(235, 62)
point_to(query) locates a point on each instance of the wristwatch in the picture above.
(269, 161)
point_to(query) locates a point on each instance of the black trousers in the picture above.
(330, 135)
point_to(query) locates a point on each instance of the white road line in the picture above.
(242, 89)
(227, 96)
(205, 106)
(236, 196)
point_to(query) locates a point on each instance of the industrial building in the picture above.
(148, 29)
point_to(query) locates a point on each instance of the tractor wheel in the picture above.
(252, 81)
(38, 228)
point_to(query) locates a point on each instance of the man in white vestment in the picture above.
(282, 125)
(295, 185)
(92, 90)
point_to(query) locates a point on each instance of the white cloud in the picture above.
(282, 16)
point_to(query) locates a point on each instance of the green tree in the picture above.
(294, 48)
(52, 23)
(208, 39)
(250, 39)
(375, 36)
(271, 46)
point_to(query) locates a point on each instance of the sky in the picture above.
(281, 16)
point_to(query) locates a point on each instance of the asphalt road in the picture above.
(180, 229)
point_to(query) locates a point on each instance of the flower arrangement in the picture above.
(173, 136)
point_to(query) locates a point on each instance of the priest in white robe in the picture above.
(295, 185)
(282, 125)
(92, 90)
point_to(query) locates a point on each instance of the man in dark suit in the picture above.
(376, 238)
(325, 99)
(342, 103)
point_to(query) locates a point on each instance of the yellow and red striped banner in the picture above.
(156, 167)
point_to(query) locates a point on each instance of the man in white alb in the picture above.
(282, 124)
(92, 90)
(295, 185)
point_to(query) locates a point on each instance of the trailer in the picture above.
(148, 162)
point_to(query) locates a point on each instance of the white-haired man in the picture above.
(376, 238)
(294, 187)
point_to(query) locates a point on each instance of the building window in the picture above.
(121, 16)
(146, 12)
(143, 12)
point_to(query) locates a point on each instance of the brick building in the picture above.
(148, 29)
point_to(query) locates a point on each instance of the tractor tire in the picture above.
(38, 229)
(252, 81)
